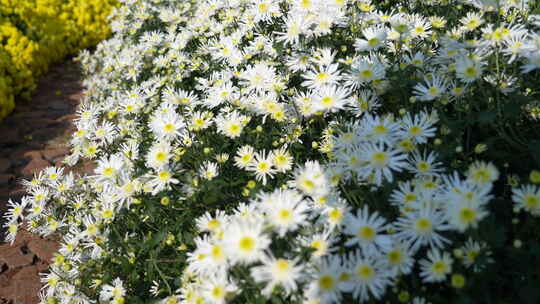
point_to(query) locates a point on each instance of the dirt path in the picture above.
(32, 138)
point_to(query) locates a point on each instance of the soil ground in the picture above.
(32, 138)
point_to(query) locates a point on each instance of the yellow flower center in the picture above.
(164, 175)
(439, 268)
(217, 252)
(161, 157)
(285, 215)
(422, 166)
(326, 282)
(366, 74)
(365, 272)
(246, 244)
(322, 76)
(327, 101)
(108, 172)
(218, 292)
(213, 224)
(168, 128)
(531, 201)
(467, 215)
(373, 42)
(366, 233)
(379, 159)
(470, 72)
(433, 91)
(395, 256)
(423, 225)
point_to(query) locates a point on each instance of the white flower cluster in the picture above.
(287, 110)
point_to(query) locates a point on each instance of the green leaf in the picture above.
(512, 110)
(155, 240)
(486, 117)
(534, 148)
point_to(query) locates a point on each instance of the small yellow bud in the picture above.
(251, 184)
(480, 148)
(513, 180)
(165, 201)
(535, 176)
(458, 253)
(404, 296)
(182, 247)
(458, 280)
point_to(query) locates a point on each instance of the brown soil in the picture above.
(32, 138)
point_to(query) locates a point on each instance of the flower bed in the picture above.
(33, 34)
(302, 151)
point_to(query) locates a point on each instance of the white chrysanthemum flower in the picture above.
(423, 164)
(167, 126)
(436, 267)
(160, 180)
(244, 157)
(365, 230)
(245, 241)
(114, 291)
(208, 170)
(325, 283)
(109, 168)
(435, 87)
(259, 77)
(310, 179)
(263, 166)
(325, 76)
(419, 127)
(210, 223)
(274, 272)
(381, 162)
(321, 243)
(399, 258)
(468, 70)
(217, 288)
(365, 70)
(482, 173)
(284, 209)
(282, 159)
(421, 227)
(369, 276)
(159, 154)
(527, 198)
(331, 98)
(232, 124)
(374, 38)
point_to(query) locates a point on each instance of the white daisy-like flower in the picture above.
(369, 276)
(263, 166)
(245, 241)
(527, 198)
(381, 162)
(325, 282)
(421, 227)
(436, 267)
(284, 209)
(366, 230)
(277, 272)
(325, 76)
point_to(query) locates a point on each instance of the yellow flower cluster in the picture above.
(35, 33)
